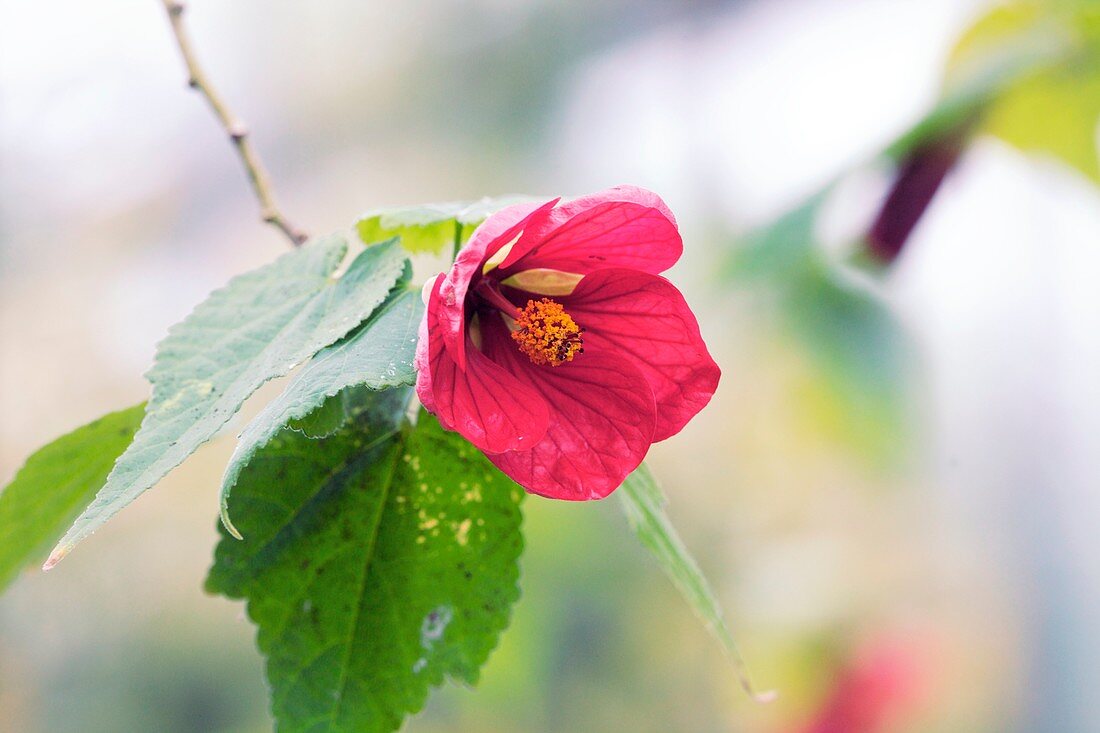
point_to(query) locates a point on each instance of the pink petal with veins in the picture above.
(644, 318)
(623, 226)
(602, 417)
(576, 423)
(489, 406)
(495, 232)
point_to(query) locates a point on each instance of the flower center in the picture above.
(547, 334)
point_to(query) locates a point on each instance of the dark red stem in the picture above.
(919, 177)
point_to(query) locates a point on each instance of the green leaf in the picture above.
(644, 505)
(256, 328)
(376, 563)
(431, 227)
(426, 228)
(1053, 105)
(1055, 113)
(55, 484)
(859, 358)
(780, 248)
(853, 346)
(378, 356)
(325, 420)
(478, 211)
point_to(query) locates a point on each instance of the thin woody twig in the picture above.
(234, 127)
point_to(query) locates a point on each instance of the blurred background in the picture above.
(894, 490)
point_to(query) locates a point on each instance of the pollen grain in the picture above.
(547, 334)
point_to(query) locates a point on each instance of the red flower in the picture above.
(555, 347)
(874, 691)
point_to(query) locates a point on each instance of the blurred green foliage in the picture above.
(1052, 104)
(1027, 72)
(853, 345)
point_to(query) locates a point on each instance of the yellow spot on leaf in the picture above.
(462, 532)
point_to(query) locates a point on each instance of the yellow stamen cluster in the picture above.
(547, 334)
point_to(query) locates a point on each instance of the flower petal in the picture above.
(422, 359)
(602, 416)
(494, 233)
(645, 318)
(486, 404)
(623, 226)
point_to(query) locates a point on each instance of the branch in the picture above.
(234, 127)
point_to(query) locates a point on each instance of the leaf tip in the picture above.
(232, 530)
(55, 557)
(763, 698)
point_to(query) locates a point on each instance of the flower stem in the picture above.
(919, 177)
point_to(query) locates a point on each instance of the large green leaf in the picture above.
(644, 505)
(376, 562)
(256, 328)
(431, 227)
(55, 484)
(377, 356)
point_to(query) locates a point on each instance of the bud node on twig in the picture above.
(238, 131)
